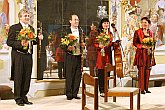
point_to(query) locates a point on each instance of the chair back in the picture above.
(108, 68)
(93, 82)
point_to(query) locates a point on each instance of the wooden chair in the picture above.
(119, 91)
(92, 81)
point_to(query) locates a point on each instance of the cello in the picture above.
(118, 59)
(117, 54)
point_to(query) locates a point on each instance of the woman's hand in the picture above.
(101, 46)
(146, 47)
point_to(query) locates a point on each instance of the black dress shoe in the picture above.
(20, 103)
(148, 91)
(28, 103)
(142, 92)
(77, 97)
(69, 98)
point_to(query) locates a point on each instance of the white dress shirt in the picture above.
(75, 32)
(24, 25)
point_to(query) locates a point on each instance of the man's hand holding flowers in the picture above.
(24, 43)
(69, 41)
(71, 48)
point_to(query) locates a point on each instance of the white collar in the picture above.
(24, 25)
(75, 29)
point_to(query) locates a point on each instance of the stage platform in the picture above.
(152, 101)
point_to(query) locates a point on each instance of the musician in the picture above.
(72, 62)
(42, 45)
(21, 59)
(103, 59)
(143, 60)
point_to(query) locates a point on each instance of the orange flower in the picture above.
(72, 37)
(22, 32)
(26, 34)
(30, 35)
(69, 39)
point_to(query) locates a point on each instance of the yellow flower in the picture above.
(149, 41)
(66, 42)
(103, 38)
(69, 39)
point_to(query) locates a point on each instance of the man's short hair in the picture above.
(22, 11)
(70, 16)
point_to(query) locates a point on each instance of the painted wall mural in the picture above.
(4, 16)
(155, 11)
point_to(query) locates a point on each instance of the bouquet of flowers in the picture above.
(69, 40)
(149, 41)
(26, 34)
(103, 39)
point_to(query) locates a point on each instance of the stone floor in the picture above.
(153, 101)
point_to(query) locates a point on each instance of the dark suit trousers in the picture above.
(143, 77)
(22, 75)
(72, 66)
(101, 80)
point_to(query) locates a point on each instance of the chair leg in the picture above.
(131, 101)
(96, 102)
(83, 102)
(114, 98)
(96, 95)
(138, 100)
(83, 95)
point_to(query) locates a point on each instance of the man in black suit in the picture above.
(21, 59)
(72, 60)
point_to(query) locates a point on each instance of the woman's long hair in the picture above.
(100, 28)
